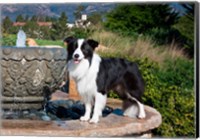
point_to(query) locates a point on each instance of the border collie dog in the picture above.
(96, 76)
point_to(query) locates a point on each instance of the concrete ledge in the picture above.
(110, 126)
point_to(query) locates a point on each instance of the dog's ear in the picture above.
(93, 43)
(69, 39)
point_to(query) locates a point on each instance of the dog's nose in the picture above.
(76, 56)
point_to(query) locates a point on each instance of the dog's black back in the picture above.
(120, 76)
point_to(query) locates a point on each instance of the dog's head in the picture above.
(79, 49)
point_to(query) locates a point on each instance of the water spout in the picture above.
(21, 39)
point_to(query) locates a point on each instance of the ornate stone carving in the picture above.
(29, 73)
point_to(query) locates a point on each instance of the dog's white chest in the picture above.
(86, 78)
(87, 85)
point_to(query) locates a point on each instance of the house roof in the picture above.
(19, 23)
(44, 23)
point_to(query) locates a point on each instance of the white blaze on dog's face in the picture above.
(79, 49)
(78, 54)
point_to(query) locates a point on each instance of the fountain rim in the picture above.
(32, 53)
(128, 126)
(30, 47)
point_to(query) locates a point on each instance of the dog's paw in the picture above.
(94, 120)
(84, 118)
(142, 115)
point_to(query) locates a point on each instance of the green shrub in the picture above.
(168, 92)
(179, 72)
(175, 103)
(80, 32)
(165, 35)
(9, 40)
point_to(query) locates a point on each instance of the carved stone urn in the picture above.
(30, 75)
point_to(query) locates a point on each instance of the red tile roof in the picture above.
(44, 23)
(19, 23)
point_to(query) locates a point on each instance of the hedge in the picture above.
(170, 92)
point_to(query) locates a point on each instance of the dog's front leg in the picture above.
(88, 108)
(100, 102)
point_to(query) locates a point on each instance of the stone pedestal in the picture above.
(30, 75)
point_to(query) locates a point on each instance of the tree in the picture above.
(27, 18)
(140, 18)
(59, 27)
(31, 29)
(63, 19)
(53, 19)
(187, 19)
(20, 18)
(41, 18)
(153, 20)
(185, 26)
(189, 7)
(7, 24)
(47, 19)
(95, 18)
(79, 11)
(34, 18)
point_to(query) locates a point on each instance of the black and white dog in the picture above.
(96, 76)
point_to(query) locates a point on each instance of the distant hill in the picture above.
(53, 10)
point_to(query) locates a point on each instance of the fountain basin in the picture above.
(30, 75)
(110, 126)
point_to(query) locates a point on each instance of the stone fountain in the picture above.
(30, 74)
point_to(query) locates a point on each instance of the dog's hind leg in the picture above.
(100, 102)
(134, 109)
(130, 108)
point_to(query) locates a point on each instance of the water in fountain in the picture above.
(21, 39)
